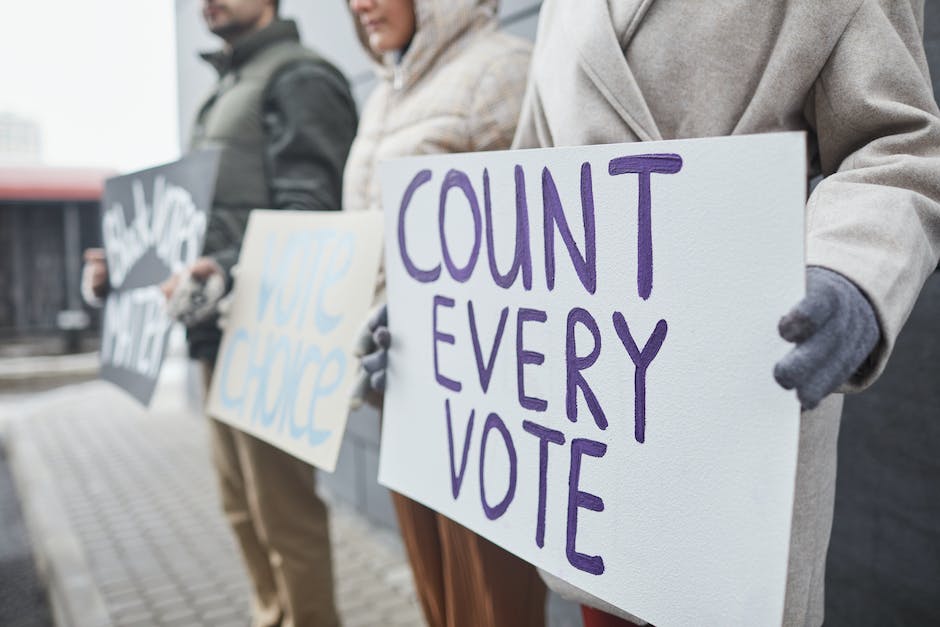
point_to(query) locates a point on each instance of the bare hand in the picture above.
(95, 273)
(204, 267)
(169, 286)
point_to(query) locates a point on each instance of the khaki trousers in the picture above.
(270, 500)
(464, 580)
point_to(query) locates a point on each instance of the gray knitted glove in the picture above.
(834, 329)
(195, 300)
(375, 360)
(372, 348)
(224, 306)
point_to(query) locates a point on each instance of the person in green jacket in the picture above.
(283, 119)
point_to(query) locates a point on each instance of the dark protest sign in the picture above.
(583, 342)
(153, 224)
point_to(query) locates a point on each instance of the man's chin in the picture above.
(224, 29)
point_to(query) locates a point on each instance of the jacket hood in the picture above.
(438, 25)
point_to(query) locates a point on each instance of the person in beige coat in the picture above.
(853, 75)
(449, 81)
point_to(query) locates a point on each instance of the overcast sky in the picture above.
(99, 76)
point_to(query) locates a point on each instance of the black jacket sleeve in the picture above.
(310, 122)
(309, 118)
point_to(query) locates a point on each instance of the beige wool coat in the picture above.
(852, 74)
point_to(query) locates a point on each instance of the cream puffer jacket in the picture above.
(457, 88)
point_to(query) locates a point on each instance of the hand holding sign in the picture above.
(834, 329)
(194, 294)
(94, 276)
(286, 366)
(375, 361)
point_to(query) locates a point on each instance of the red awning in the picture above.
(51, 183)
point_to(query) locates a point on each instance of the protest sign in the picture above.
(583, 342)
(286, 367)
(153, 224)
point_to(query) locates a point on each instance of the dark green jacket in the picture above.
(284, 119)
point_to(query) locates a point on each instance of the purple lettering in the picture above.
(576, 364)
(456, 478)
(645, 166)
(495, 422)
(642, 360)
(593, 564)
(554, 218)
(523, 255)
(424, 276)
(486, 372)
(524, 357)
(456, 178)
(545, 436)
(447, 338)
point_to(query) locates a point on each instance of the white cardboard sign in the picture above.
(286, 368)
(582, 356)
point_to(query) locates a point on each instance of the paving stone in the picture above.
(167, 604)
(129, 609)
(131, 616)
(180, 616)
(220, 614)
(209, 598)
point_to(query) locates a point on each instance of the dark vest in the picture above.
(231, 118)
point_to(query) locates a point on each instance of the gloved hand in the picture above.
(95, 283)
(372, 349)
(193, 295)
(834, 329)
(224, 307)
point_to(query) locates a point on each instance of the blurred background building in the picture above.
(48, 215)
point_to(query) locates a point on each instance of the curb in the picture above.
(73, 596)
(32, 374)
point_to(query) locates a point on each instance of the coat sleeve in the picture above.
(310, 122)
(875, 218)
(309, 119)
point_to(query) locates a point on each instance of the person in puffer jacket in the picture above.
(449, 81)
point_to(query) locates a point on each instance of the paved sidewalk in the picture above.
(124, 517)
(34, 373)
(22, 597)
